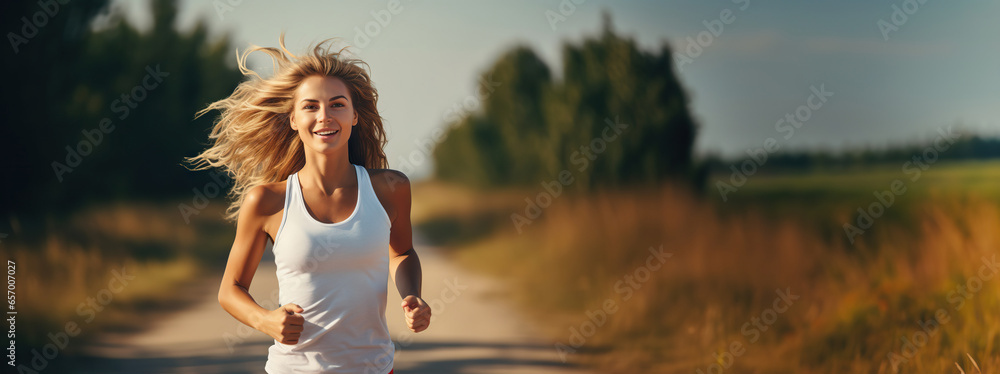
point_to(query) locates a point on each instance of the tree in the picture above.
(618, 116)
(87, 123)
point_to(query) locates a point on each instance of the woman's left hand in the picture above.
(417, 313)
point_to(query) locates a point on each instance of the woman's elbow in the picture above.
(224, 294)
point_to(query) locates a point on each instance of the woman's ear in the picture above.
(355, 118)
(291, 121)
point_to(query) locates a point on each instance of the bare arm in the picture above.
(406, 273)
(404, 264)
(283, 324)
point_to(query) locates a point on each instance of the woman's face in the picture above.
(323, 114)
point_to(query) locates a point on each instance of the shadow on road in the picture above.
(250, 358)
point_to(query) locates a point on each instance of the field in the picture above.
(661, 279)
(768, 281)
(108, 267)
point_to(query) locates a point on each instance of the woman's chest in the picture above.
(351, 247)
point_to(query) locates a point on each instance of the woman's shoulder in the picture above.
(390, 183)
(265, 199)
(388, 177)
(392, 188)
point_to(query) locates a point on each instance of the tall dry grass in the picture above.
(65, 262)
(856, 301)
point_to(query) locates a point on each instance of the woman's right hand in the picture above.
(284, 324)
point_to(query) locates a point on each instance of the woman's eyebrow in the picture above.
(331, 99)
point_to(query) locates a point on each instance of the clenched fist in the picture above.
(284, 324)
(417, 312)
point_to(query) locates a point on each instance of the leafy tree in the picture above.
(71, 76)
(617, 116)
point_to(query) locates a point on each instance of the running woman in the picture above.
(304, 148)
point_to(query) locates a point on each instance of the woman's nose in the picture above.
(324, 115)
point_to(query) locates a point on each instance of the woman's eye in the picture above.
(338, 105)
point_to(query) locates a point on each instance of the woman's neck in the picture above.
(327, 172)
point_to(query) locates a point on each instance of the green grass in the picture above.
(828, 199)
(940, 179)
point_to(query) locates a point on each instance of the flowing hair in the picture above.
(252, 140)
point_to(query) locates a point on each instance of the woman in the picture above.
(305, 150)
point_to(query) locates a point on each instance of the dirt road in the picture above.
(473, 331)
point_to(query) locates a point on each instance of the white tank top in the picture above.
(338, 273)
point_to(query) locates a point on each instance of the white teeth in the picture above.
(324, 133)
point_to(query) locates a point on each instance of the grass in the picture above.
(66, 261)
(971, 178)
(857, 301)
(777, 232)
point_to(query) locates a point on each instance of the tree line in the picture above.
(613, 115)
(98, 109)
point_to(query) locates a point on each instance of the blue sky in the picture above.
(939, 68)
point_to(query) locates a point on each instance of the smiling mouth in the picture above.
(326, 133)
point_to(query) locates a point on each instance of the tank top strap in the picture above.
(364, 181)
(291, 186)
(366, 191)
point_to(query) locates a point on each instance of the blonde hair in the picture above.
(252, 140)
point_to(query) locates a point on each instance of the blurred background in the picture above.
(661, 186)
